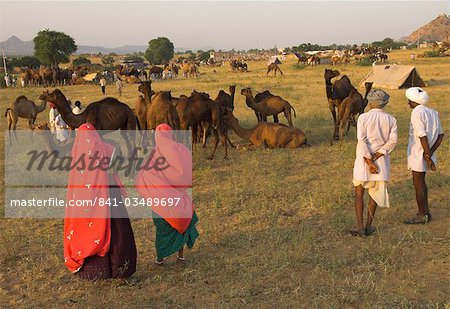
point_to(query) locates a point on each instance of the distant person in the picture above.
(425, 137)
(77, 109)
(377, 137)
(413, 56)
(74, 77)
(119, 86)
(7, 80)
(103, 85)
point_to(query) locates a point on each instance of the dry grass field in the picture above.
(273, 223)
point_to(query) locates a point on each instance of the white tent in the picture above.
(394, 77)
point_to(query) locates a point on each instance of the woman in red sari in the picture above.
(98, 241)
(175, 225)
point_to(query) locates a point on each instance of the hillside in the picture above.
(436, 30)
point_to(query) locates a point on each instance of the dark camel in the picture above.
(352, 106)
(336, 93)
(269, 135)
(270, 105)
(106, 114)
(273, 67)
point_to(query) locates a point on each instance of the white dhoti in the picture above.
(377, 191)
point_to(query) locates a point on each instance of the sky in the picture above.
(218, 25)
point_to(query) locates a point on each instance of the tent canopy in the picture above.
(394, 77)
(90, 77)
(274, 59)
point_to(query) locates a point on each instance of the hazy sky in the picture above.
(225, 25)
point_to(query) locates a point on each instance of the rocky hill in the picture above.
(436, 30)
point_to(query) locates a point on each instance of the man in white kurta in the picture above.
(377, 137)
(425, 137)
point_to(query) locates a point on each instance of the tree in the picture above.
(159, 51)
(52, 47)
(25, 61)
(81, 61)
(134, 57)
(108, 60)
(203, 56)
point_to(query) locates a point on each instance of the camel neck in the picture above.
(240, 131)
(329, 89)
(68, 116)
(250, 101)
(41, 107)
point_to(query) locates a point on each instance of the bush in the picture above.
(81, 61)
(366, 61)
(432, 53)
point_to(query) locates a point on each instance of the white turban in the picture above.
(417, 95)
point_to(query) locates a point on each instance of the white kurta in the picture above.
(377, 132)
(424, 122)
(61, 129)
(51, 119)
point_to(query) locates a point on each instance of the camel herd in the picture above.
(201, 114)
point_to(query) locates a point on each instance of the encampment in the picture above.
(274, 59)
(394, 77)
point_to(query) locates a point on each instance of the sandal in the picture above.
(418, 220)
(181, 259)
(157, 262)
(358, 232)
(370, 230)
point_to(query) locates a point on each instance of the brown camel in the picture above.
(107, 114)
(46, 74)
(273, 67)
(269, 106)
(336, 93)
(226, 102)
(200, 113)
(352, 106)
(143, 103)
(23, 108)
(269, 135)
(161, 110)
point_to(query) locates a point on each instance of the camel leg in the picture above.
(333, 113)
(205, 126)
(229, 142)
(287, 114)
(275, 118)
(216, 142)
(343, 119)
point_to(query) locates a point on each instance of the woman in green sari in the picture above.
(165, 189)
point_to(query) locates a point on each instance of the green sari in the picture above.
(169, 240)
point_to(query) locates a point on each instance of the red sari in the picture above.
(89, 231)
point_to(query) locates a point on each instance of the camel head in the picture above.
(329, 74)
(247, 92)
(232, 88)
(145, 87)
(368, 86)
(56, 96)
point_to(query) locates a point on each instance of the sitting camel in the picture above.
(23, 108)
(269, 135)
(273, 67)
(352, 106)
(270, 105)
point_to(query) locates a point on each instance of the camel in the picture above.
(273, 67)
(352, 106)
(143, 103)
(107, 114)
(269, 135)
(226, 101)
(335, 60)
(201, 113)
(156, 72)
(314, 60)
(46, 74)
(23, 108)
(161, 110)
(269, 106)
(336, 93)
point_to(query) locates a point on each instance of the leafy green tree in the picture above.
(26, 61)
(203, 56)
(52, 47)
(108, 60)
(81, 61)
(159, 51)
(133, 57)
